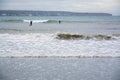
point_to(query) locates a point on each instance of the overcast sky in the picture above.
(106, 6)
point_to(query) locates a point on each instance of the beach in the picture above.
(77, 48)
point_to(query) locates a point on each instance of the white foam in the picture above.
(21, 45)
(36, 21)
(25, 36)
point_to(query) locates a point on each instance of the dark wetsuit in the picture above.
(59, 21)
(30, 23)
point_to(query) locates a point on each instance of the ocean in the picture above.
(61, 47)
(59, 69)
(98, 36)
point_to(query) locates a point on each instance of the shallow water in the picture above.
(48, 58)
(19, 39)
(59, 69)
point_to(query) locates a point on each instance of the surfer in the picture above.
(30, 23)
(59, 21)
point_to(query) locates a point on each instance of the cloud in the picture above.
(109, 6)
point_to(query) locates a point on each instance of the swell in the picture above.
(11, 20)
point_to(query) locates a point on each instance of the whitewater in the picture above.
(47, 45)
(73, 37)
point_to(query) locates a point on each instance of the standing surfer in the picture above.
(30, 23)
(59, 21)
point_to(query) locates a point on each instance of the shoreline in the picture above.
(59, 57)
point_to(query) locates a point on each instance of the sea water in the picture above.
(59, 69)
(38, 53)
(19, 39)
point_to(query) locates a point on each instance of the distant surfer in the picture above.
(30, 23)
(59, 21)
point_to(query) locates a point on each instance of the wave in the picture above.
(46, 45)
(64, 36)
(27, 21)
(11, 20)
(56, 21)
(36, 21)
(60, 36)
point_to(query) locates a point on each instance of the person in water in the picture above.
(59, 21)
(30, 23)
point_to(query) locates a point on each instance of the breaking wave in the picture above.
(59, 45)
(60, 36)
(55, 21)
(64, 36)
(36, 21)
(27, 21)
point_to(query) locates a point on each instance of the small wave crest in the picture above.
(57, 21)
(36, 21)
(65, 36)
(42, 21)
(59, 36)
(27, 21)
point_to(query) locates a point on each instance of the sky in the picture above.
(104, 6)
